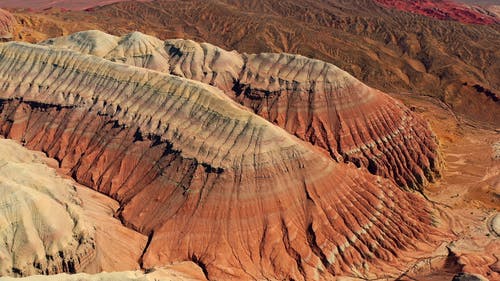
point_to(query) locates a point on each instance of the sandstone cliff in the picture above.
(205, 178)
(311, 99)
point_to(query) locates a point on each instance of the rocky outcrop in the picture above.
(41, 225)
(6, 25)
(207, 180)
(311, 99)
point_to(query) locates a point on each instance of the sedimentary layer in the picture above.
(311, 99)
(205, 178)
(41, 225)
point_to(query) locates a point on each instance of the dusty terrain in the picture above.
(250, 164)
(467, 205)
(445, 10)
(35, 240)
(39, 5)
(467, 197)
(40, 189)
(7, 23)
(180, 272)
(312, 100)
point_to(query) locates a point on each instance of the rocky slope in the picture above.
(7, 22)
(207, 180)
(312, 100)
(33, 239)
(65, 4)
(444, 10)
(77, 239)
(388, 49)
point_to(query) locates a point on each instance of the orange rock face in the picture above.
(6, 25)
(206, 179)
(311, 99)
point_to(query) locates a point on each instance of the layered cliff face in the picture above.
(205, 178)
(7, 21)
(311, 99)
(34, 240)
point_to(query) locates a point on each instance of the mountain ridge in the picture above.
(277, 204)
(312, 100)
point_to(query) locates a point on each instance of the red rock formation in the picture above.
(6, 25)
(443, 10)
(322, 104)
(311, 99)
(208, 180)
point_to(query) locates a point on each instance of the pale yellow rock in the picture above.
(44, 216)
(41, 229)
(223, 187)
(92, 42)
(183, 271)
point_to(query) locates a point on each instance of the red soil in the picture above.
(443, 10)
(65, 4)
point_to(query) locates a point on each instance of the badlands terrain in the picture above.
(386, 48)
(339, 140)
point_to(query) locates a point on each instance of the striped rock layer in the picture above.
(206, 179)
(311, 99)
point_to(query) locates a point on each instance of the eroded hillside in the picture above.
(224, 179)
